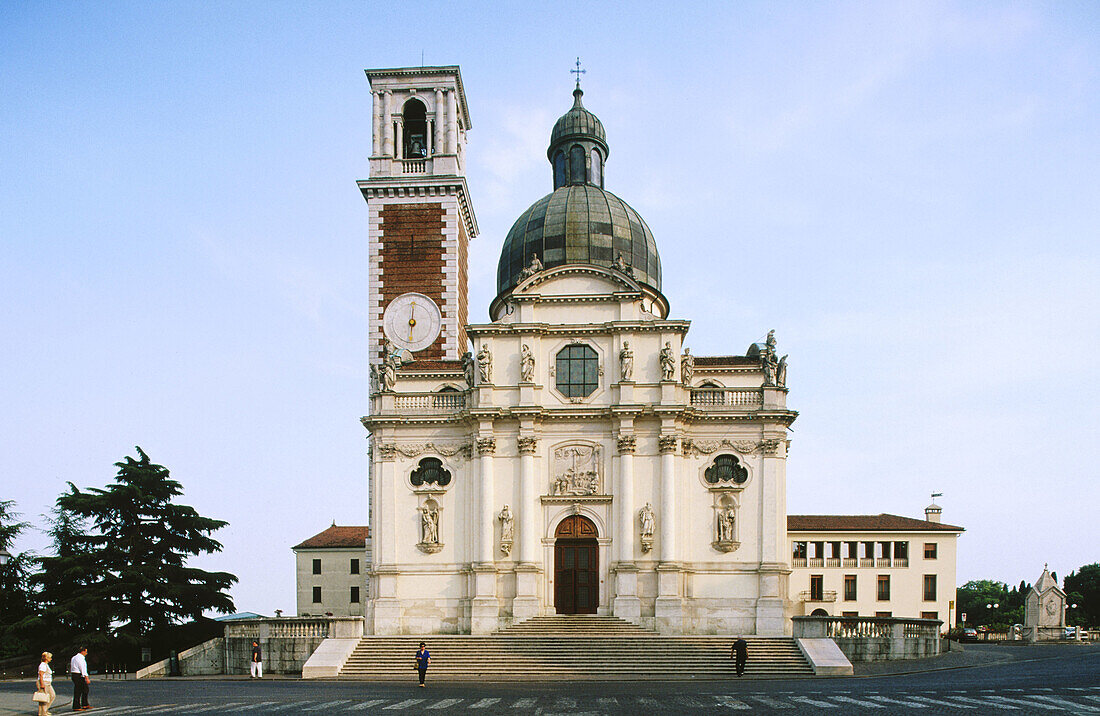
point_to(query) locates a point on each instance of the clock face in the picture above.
(411, 321)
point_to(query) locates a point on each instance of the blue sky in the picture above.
(907, 192)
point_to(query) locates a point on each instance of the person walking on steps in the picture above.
(45, 684)
(257, 661)
(423, 658)
(739, 652)
(78, 671)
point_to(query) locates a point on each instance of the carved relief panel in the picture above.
(576, 469)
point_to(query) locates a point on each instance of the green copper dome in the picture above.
(580, 222)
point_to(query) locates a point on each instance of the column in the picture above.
(376, 123)
(669, 607)
(437, 141)
(484, 609)
(529, 517)
(399, 152)
(452, 123)
(386, 610)
(626, 604)
(771, 602)
(387, 123)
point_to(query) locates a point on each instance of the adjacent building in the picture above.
(873, 565)
(331, 572)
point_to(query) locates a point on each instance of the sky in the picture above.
(908, 193)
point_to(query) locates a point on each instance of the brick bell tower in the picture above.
(420, 217)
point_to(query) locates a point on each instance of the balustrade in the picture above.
(449, 402)
(413, 166)
(727, 397)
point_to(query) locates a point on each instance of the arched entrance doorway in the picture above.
(576, 566)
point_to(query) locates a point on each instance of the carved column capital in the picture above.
(527, 445)
(667, 443)
(627, 444)
(486, 446)
(770, 447)
(387, 451)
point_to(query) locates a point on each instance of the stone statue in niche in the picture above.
(532, 268)
(485, 364)
(781, 372)
(687, 367)
(646, 518)
(576, 470)
(390, 364)
(507, 530)
(375, 379)
(725, 532)
(626, 362)
(668, 363)
(468, 368)
(526, 365)
(429, 525)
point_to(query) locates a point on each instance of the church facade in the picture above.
(571, 455)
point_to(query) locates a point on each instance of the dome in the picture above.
(579, 224)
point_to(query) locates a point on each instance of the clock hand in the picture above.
(412, 320)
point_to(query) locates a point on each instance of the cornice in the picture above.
(423, 186)
(587, 329)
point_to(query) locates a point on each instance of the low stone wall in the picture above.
(874, 638)
(205, 659)
(286, 643)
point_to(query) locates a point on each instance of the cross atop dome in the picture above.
(578, 72)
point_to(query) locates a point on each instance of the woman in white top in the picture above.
(45, 683)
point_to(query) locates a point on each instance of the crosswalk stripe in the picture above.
(443, 704)
(404, 704)
(249, 707)
(565, 703)
(607, 702)
(857, 702)
(220, 707)
(935, 702)
(774, 703)
(483, 703)
(1090, 698)
(651, 703)
(524, 704)
(327, 705)
(1063, 702)
(366, 705)
(727, 701)
(899, 702)
(1036, 704)
(994, 704)
(289, 706)
(814, 702)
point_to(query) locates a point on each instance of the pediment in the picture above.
(574, 280)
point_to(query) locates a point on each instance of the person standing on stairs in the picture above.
(423, 658)
(739, 652)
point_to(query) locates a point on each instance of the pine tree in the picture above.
(16, 598)
(70, 611)
(129, 570)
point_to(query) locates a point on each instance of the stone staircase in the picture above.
(570, 648)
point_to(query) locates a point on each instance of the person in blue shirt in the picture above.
(423, 658)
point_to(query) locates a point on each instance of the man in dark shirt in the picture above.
(739, 652)
(257, 661)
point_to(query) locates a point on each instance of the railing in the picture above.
(413, 166)
(866, 562)
(816, 562)
(798, 562)
(902, 562)
(849, 562)
(449, 402)
(727, 397)
(811, 596)
(832, 561)
(286, 628)
(874, 638)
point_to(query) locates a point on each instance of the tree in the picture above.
(988, 603)
(16, 598)
(128, 571)
(1084, 585)
(70, 611)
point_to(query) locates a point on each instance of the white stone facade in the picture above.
(642, 440)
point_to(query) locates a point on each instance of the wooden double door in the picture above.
(576, 567)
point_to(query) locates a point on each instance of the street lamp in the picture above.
(5, 556)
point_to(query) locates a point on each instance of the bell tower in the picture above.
(420, 217)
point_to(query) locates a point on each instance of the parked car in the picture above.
(968, 634)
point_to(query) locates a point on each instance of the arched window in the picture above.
(415, 130)
(559, 169)
(430, 472)
(597, 168)
(576, 371)
(576, 165)
(726, 468)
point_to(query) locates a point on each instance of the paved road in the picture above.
(1067, 683)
